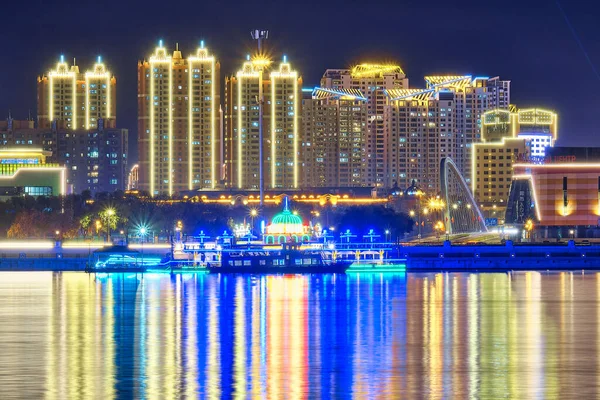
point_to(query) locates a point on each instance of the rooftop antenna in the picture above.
(259, 36)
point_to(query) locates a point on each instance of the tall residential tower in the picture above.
(371, 80)
(281, 122)
(74, 100)
(178, 121)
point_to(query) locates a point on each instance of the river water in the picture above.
(522, 335)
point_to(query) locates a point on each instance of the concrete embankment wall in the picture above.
(544, 257)
(42, 264)
(21, 258)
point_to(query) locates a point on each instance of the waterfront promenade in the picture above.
(446, 256)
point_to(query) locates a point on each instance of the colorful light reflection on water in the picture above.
(525, 335)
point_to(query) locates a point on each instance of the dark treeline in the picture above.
(81, 215)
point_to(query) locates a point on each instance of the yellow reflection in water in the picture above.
(239, 367)
(519, 335)
(214, 347)
(25, 321)
(81, 338)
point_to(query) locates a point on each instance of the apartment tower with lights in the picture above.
(178, 121)
(278, 88)
(73, 100)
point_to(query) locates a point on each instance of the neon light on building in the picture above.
(160, 61)
(280, 126)
(97, 97)
(58, 102)
(286, 226)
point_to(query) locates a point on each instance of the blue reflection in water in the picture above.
(73, 335)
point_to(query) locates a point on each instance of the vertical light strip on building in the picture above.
(152, 173)
(285, 72)
(62, 72)
(99, 72)
(239, 124)
(273, 130)
(213, 148)
(247, 71)
(50, 98)
(295, 130)
(202, 57)
(87, 100)
(171, 132)
(159, 57)
(190, 125)
(74, 103)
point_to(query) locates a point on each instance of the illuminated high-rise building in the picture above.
(178, 121)
(441, 120)
(74, 100)
(280, 89)
(508, 136)
(371, 80)
(95, 159)
(100, 96)
(334, 123)
(285, 120)
(421, 131)
(472, 97)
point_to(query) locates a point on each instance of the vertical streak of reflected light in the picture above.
(214, 347)
(141, 360)
(436, 319)
(264, 283)
(533, 343)
(153, 341)
(296, 294)
(108, 325)
(361, 327)
(598, 330)
(257, 387)
(239, 366)
(191, 326)
(177, 331)
(274, 353)
(473, 333)
(426, 356)
(456, 356)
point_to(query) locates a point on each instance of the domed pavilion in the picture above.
(286, 227)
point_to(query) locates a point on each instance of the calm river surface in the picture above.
(521, 335)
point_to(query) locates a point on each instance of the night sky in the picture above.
(528, 42)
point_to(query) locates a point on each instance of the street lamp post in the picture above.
(259, 36)
(110, 212)
(142, 234)
(253, 214)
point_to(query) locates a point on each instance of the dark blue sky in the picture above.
(527, 42)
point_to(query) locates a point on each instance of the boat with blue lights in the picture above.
(289, 258)
(119, 258)
(287, 246)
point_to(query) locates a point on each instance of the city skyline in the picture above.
(530, 63)
(401, 137)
